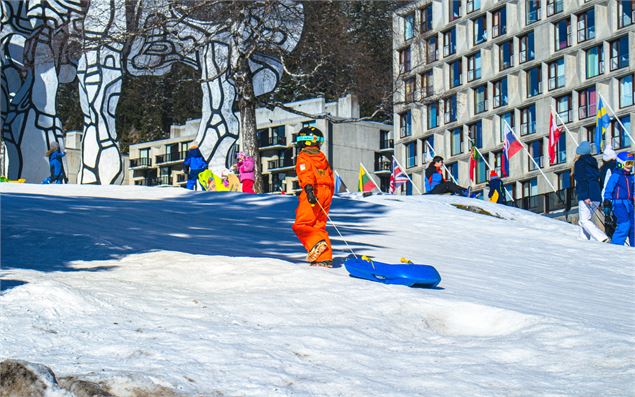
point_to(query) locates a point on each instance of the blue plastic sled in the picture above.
(404, 274)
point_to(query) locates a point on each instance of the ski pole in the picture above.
(336, 229)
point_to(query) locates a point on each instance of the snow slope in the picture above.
(207, 294)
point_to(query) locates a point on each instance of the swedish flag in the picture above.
(602, 123)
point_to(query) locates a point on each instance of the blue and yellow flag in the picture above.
(602, 123)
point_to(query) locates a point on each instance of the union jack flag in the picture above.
(398, 177)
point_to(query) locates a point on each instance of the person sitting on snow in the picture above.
(435, 182)
(496, 190)
(619, 196)
(55, 155)
(316, 180)
(193, 165)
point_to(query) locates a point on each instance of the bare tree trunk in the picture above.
(247, 108)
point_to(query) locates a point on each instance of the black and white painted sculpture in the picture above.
(34, 38)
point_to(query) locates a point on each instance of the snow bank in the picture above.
(208, 294)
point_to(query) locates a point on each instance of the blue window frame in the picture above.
(499, 22)
(506, 55)
(433, 111)
(528, 120)
(626, 13)
(620, 139)
(456, 141)
(411, 154)
(480, 99)
(474, 66)
(409, 26)
(626, 91)
(533, 11)
(505, 117)
(455, 73)
(594, 61)
(534, 81)
(449, 110)
(473, 5)
(449, 42)
(527, 52)
(454, 170)
(455, 9)
(619, 53)
(481, 169)
(405, 124)
(561, 149)
(535, 149)
(480, 29)
(500, 92)
(586, 25)
(476, 134)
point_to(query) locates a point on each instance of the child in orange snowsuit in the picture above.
(316, 179)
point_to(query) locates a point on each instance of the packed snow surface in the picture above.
(207, 294)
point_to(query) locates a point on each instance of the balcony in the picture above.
(273, 142)
(280, 164)
(142, 162)
(383, 167)
(170, 157)
(386, 144)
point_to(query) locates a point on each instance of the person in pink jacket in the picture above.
(245, 167)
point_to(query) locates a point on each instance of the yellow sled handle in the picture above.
(405, 260)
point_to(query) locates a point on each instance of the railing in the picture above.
(554, 8)
(617, 64)
(587, 111)
(274, 140)
(280, 163)
(383, 165)
(546, 203)
(538, 160)
(141, 162)
(386, 144)
(481, 106)
(170, 157)
(556, 82)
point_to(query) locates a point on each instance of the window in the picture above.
(405, 58)
(474, 66)
(449, 42)
(564, 179)
(594, 61)
(528, 120)
(411, 154)
(587, 105)
(625, 13)
(456, 141)
(562, 34)
(433, 122)
(473, 5)
(385, 140)
(620, 139)
(409, 26)
(563, 106)
(526, 52)
(449, 109)
(454, 170)
(505, 55)
(507, 117)
(409, 89)
(432, 53)
(590, 134)
(480, 29)
(561, 149)
(480, 99)
(554, 7)
(556, 74)
(586, 25)
(455, 9)
(619, 53)
(500, 92)
(534, 81)
(405, 124)
(475, 132)
(427, 148)
(498, 163)
(535, 151)
(530, 188)
(499, 22)
(481, 169)
(427, 84)
(626, 91)
(426, 19)
(532, 8)
(455, 73)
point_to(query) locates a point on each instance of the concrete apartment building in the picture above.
(347, 144)
(464, 66)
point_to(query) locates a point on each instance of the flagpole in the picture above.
(489, 168)
(400, 166)
(444, 167)
(565, 126)
(370, 177)
(606, 103)
(530, 157)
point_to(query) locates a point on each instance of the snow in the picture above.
(207, 294)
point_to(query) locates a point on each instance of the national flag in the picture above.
(554, 138)
(398, 177)
(365, 183)
(340, 187)
(473, 158)
(511, 146)
(602, 122)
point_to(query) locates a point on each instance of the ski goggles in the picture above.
(628, 163)
(310, 138)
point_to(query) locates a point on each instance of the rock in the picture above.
(83, 388)
(24, 379)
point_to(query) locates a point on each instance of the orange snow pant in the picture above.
(310, 221)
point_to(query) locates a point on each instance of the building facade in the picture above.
(465, 67)
(347, 145)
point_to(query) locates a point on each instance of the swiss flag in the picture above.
(554, 138)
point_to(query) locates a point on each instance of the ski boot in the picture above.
(316, 251)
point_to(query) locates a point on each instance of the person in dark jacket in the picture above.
(620, 197)
(609, 163)
(496, 190)
(435, 182)
(56, 166)
(193, 165)
(587, 186)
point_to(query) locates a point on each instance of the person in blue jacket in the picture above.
(435, 182)
(496, 191)
(56, 167)
(587, 185)
(193, 165)
(620, 196)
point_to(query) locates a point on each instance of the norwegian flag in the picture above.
(554, 138)
(398, 177)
